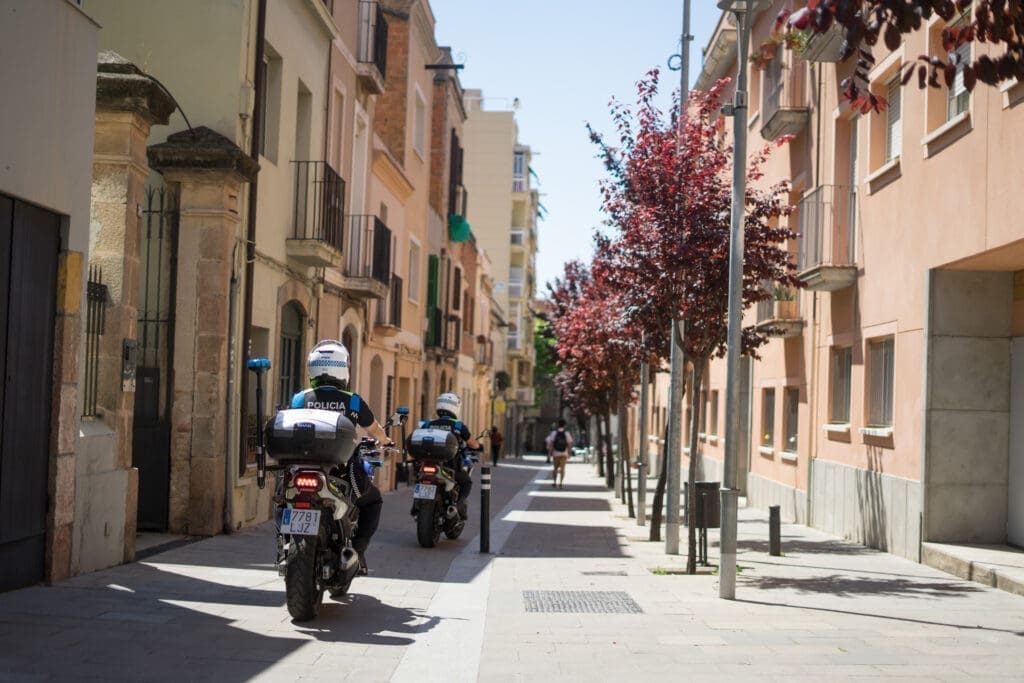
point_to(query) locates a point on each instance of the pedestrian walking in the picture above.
(497, 440)
(560, 441)
(547, 441)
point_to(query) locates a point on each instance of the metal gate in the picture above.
(29, 245)
(151, 433)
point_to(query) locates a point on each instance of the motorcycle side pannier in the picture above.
(431, 444)
(304, 435)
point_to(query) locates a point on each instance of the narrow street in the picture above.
(573, 591)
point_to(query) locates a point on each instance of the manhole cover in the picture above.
(580, 602)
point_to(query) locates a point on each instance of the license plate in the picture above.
(300, 522)
(424, 491)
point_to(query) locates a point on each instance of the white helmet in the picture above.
(448, 404)
(328, 364)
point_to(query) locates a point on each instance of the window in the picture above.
(842, 361)
(270, 103)
(893, 123)
(704, 414)
(768, 417)
(519, 172)
(457, 290)
(303, 122)
(414, 272)
(713, 414)
(419, 128)
(880, 382)
(292, 368)
(957, 97)
(792, 419)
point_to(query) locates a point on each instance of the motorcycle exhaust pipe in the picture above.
(452, 512)
(349, 563)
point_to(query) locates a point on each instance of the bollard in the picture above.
(774, 541)
(485, 509)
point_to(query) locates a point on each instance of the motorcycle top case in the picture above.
(311, 436)
(432, 444)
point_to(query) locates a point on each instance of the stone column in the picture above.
(209, 171)
(64, 411)
(128, 103)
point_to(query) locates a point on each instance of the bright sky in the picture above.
(564, 60)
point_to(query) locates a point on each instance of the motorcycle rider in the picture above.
(448, 407)
(328, 378)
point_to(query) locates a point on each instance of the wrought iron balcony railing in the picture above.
(784, 109)
(373, 43)
(368, 249)
(319, 203)
(389, 310)
(827, 235)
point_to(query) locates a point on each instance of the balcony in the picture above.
(784, 108)
(518, 237)
(389, 309)
(524, 396)
(824, 47)
(317, 219)
(827, 223)
(367, 268)
(780, 315)
(373, 47)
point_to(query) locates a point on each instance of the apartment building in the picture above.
(504, 212)
(887, 408)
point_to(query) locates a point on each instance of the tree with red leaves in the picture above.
(597, 347)
(863, 22)
(669, 194)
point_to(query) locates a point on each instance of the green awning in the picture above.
(458, 228)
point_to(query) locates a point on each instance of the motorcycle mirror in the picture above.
(402, 410)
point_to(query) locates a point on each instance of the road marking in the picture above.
(450, 651)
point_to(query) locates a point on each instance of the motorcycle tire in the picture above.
(428, 533)
(300, 581)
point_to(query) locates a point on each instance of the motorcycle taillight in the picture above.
(310, 482)
(428, 469)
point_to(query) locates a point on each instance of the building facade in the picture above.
(887, 408)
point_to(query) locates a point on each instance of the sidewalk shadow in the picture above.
(536, 539)
(365, 619)
(171, 625)
(806, 547)
(848, 586)
(556, 503)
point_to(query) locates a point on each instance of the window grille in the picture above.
(880, 383)
(95, 322)
(792, 419)
(842, 361)
(768, 418)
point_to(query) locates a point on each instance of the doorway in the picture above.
(1015, 490)
(29, 245)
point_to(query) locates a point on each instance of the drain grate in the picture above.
(580, 602)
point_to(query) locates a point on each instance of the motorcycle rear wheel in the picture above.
(300, 581)
(427, 531)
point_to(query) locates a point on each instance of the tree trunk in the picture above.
(609, 473)
(624, 455)
(691, 498)
(657, 505)
(598, 444)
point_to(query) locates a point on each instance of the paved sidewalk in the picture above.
(825, 610)
(572, 592)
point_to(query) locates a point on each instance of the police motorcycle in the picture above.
(435, 495)
(316, 495)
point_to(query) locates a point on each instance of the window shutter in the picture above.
(893, 125)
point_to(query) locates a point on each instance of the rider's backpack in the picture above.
(560, 444)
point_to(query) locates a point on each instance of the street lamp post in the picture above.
(743, 10)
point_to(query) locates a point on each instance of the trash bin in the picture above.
(708, 504)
